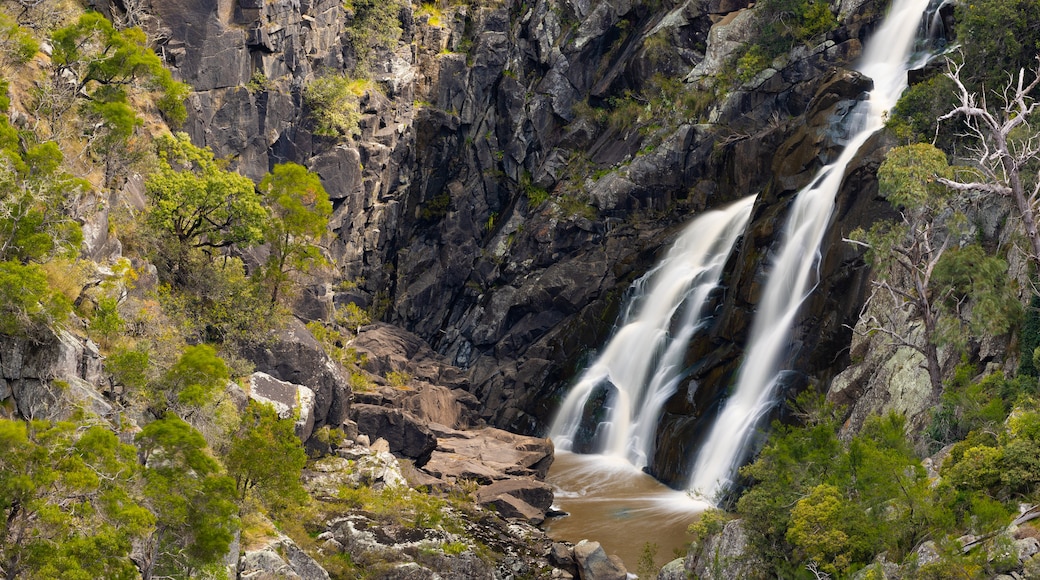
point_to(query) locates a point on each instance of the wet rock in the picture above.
(406, 435)
(594, 564)
(593, 416)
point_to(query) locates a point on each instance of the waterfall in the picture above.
(614, 407)
(793, 271)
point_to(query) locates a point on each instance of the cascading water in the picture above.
(639, 368)
(886, 60)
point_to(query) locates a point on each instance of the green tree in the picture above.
(1004, 146)
(198, 202)
(27, 303)
(105, 62)
(66, 508)
(940, 281)
(195, 380)
(266, 458)
(36, 195)
(193, 501)
(300, 211)
(997, 37)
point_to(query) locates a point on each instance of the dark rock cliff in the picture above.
(484, 208)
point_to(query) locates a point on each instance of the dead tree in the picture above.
(1002, 153)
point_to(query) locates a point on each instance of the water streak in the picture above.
(794, 269)
(641, 365)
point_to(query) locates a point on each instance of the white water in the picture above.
(644, 358)
(886, 61)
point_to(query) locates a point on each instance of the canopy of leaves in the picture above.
(35, 199)
(266, 458)
(105, 61)
(66, 509)
(197, 201)
(197, 376)
(193, 501)
(27, 303)
(907, 177)
(998, 38)
(300, 210)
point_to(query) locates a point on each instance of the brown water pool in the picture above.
(620, 507)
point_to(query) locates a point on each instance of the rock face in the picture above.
(439, 213)
(50, 378)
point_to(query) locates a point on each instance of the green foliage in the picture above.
(436, 208)
(129, 367)
(193, 501)
(646, 566)
(969, 273)
(914, 118)
(399, 379)
(536, 196)
(27, 303)
(907, 177)
(335, 345)
(198, 202)
(375, 26)
(266, 458)
(17, 44)
(105, 61)
(997, 37)
(334, 105)
(815, 498)
(299, 216)
(106, 324)
(405, 506)
(216, 302)
(1029, 338)
(35, 199)
(196, 379)
(66, 510)
(353, 317)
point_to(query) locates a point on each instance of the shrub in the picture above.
(334, 106)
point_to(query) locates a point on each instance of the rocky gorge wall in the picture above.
(486, 209)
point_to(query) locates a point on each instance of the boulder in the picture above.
(406, 435)
(52, 376)
(511, 507)
(594, 564)
(486, 455)
(518, 498)
(294, 356)
(723, 555)
(280, 558)
(288, 400)
(535, 493)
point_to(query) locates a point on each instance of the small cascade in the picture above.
(794, 268)
(614, 407)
